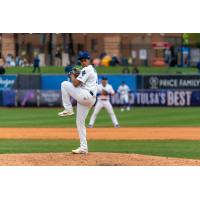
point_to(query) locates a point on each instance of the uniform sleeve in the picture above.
(83, 76)
(98, 89)
(111, 90)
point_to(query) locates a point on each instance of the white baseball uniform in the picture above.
(85, 95)
(103, 101)
(123, 90)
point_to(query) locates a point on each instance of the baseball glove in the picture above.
(75, 70)
(104, 92)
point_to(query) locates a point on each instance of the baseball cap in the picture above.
(83, 55)
(104, 78)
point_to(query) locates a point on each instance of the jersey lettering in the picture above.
(83, 73)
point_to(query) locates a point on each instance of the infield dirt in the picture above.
(147, 133)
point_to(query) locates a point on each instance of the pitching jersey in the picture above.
(108, 88)
(88, 77)
(123, 90)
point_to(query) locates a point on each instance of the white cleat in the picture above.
(80, 151)
(122, 109)
(65, 113)
(117, 126)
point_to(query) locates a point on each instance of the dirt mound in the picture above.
(91, 159)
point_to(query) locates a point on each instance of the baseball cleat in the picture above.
(80, 151)
(65, 113)
(90, 126)
(117, 126)
(122, 109)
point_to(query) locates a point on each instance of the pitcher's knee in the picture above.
(65, 84)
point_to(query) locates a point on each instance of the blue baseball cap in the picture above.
(104, 78)
(83, 55)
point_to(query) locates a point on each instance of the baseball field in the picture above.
(147, 136)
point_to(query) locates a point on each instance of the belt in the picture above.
(91, 93)
(104, 99)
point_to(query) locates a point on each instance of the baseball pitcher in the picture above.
(83, 88)
(103, 101)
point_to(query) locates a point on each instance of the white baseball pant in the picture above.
(103, 104)
(124, 99)
(84, 102)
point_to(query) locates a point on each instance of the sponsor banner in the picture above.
(171, 82)
(7, 81)
(9, 97)
(27, 98)
(165, 98)
(53, 82)
(178, 98)
(50, 98)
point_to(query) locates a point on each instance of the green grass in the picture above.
(137, 117)
(107, 70)
(167, 148)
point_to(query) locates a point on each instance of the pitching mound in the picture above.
(91, 159)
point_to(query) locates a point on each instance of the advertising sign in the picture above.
(171, 82)
(7, 82)
(53, 82)
(50, 98)
(166, 98)
(9, 97)
(27, 98)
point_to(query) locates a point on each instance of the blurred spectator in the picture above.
(24, 62)
(8, 60)
(125, 70)
(17, 60)
(21, 62)
(114, 61)
(96, 62)
(173, 62)
(2, 62)
(143, 57)
(36, 64)
(102, 55)
(133, 56)
(106, 61)
(58, 57)
(130, 61)
(2, 70)
(135, 70)
(124, 61)
(167, 55)
(12, 61)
